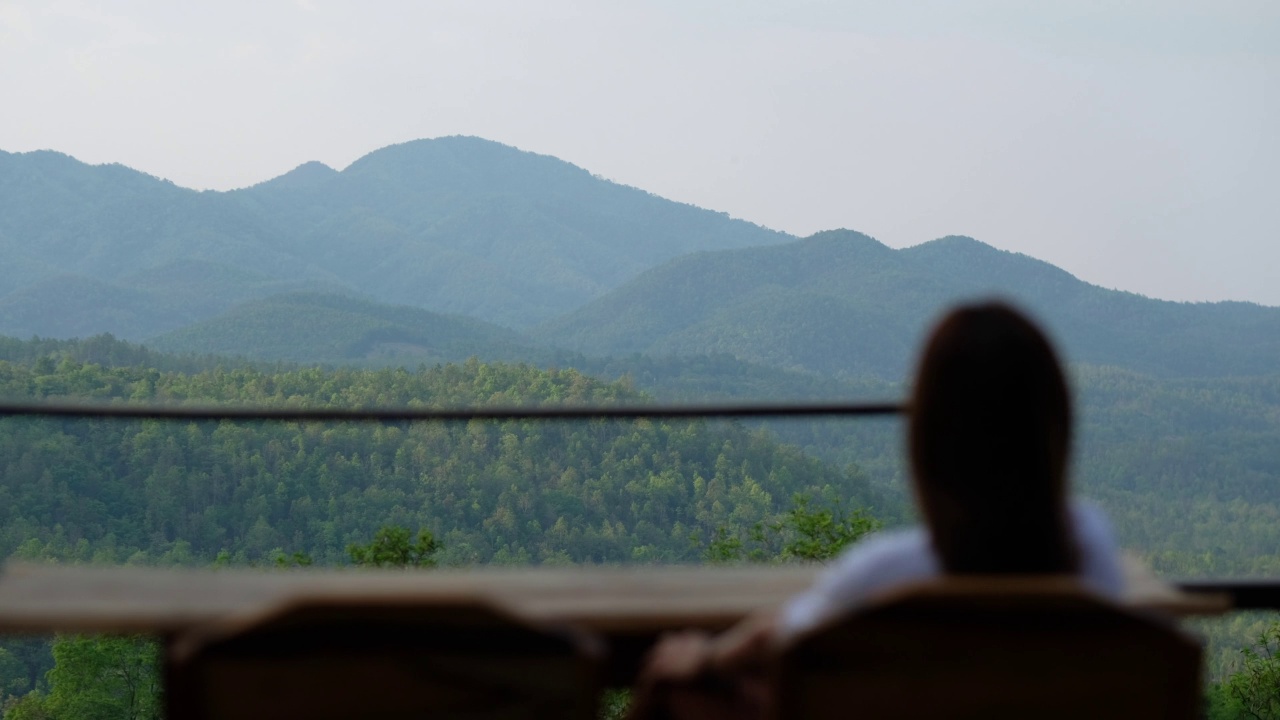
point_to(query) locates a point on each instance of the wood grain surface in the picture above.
(609, 600)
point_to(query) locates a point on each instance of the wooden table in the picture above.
(630, 607)
(637, 600)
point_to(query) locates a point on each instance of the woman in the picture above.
(989, 438)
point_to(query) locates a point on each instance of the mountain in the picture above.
(456, 225)
(59, 216)
(463, 226)
(156, 300)
(78, 306)
(468, 226)
(311, 327)
(841, 303)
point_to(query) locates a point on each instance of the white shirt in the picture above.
(890, 559)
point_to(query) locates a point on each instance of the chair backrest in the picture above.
(990, 649)
(346, 659)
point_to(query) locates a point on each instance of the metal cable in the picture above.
(193, 413)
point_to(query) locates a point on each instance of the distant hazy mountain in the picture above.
(308, 327)
(841, 303)
(458, 225)
(156, 300)
(59, 216)
(469, 226)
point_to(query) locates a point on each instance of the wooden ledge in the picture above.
(633, 600)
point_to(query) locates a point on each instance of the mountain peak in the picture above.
(38, 172)
(986, 261)
(43, 159)
(458, 161)
(845, 236)
(954, 243)
(304, 177)
(964, 247)
(452, 149)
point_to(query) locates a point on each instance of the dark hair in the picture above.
(990, 436)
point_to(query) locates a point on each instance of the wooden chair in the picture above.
(991, 649)
(321, 659)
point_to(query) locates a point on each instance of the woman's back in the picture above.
(989, 437)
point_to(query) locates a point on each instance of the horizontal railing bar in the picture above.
(1244, 594)
(191, 413)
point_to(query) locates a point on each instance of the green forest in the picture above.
(151, 492)
(457, 494)
(505, 492)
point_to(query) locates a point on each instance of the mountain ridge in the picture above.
(842, 303)
(465, 226)
(454, 225)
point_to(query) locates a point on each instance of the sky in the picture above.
(1134, 143)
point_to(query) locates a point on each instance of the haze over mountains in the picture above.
(456, 225)
(842, 303)
(435, 250)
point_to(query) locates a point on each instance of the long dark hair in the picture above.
(990, 436)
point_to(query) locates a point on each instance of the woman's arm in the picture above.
(693, 675)
(692, 655)
(744, 648)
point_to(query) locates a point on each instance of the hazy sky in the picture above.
(1132, 142)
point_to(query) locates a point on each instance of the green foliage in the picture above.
(104, 350)
(32, 706)
(1255, 687)
(1224, 635)
(394, 546)
(817, 534)
(507, 492)
(97, 677)
(14, 680)
(805, 533)
(24, 664)
(297, 559)
(614, 704)
(1186, 468)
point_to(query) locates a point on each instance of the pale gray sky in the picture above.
(1133, 143)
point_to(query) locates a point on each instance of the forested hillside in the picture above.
(467, 226)
(473, 228)
(457, 225)
(840, 303)
(1187, 468)
(492, 492)
(154, 301)
(320, 328)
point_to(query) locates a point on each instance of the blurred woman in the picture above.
(989, 439)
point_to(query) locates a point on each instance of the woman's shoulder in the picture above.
(1100, 567)
(884, 553)
(872, 565)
